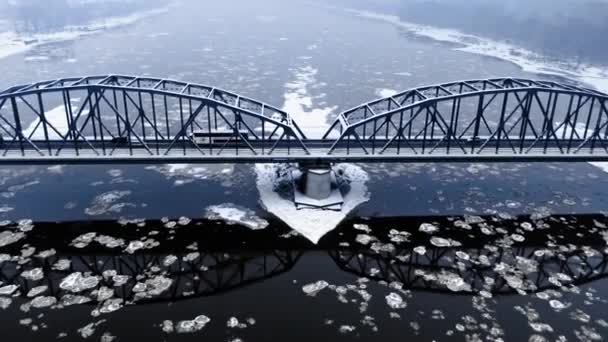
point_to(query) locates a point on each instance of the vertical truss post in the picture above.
(209, 129)
(142, 114)
(550, 124)
(568, 119)
(115, 101)
(44, 124)
(181, 120)
(92, 113)
(574, 123)
(98, 95)
(501, 122)
(17, 124)
(478, 117)
(426, 126)
(400, 132)
(525, 120)
(589, 114)
(155, 123)
(128, 127)
(167, 126)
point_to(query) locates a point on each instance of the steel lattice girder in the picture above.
(115, 119)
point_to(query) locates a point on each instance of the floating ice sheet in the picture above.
(233, 214)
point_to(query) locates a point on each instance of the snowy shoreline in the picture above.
(14, 43)
(528, 61)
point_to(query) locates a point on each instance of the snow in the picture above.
(8, 290)
(311, 223)
(183, 174)
(394, 301)
(428, 228)
(15, 43)
(76, 282)
(527, 60)
(384, 92)
(43, 302)
(8, 237)
(233, 214)
(108, 203)
(57, 118)
(299, 102)
(313, 288)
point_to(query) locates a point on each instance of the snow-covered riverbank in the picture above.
(595, 76)
(12, 42)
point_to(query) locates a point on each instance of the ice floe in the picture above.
(8, 290)
(187, 326)
(384, 92)
(183, 174)
(313, 288)
(108, 203)
(76, 282)
(395, 301)
(233, 214)
(43, 302)
(8, 237)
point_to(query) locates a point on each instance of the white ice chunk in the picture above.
(314, 288)
(233, 214)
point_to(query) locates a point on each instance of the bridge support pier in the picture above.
(316, 187)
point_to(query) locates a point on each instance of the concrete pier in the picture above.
(318, 183)
(315, 187)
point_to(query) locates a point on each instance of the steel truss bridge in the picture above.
(126, 119)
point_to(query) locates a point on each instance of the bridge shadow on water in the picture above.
(451, 255)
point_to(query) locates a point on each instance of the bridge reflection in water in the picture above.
(205, 262)
(126, 119)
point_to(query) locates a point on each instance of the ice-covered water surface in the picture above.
(12, 42)
(57, 127)
(597, 76)
(424, 278)
(300, 102)
(234, 214)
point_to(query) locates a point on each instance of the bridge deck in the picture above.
(318, 151)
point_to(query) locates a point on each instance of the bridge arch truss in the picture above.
(128, 119)
(100, 118)
(505, 118)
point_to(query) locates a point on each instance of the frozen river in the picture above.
(433, 251)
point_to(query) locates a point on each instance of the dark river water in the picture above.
(475, 252)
